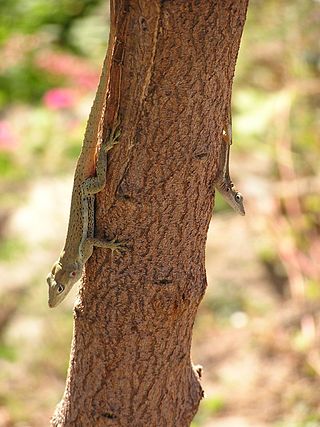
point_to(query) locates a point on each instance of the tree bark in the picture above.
(171, 71)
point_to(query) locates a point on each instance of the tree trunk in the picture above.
(171, 71)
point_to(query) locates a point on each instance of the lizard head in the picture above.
(233, 198)
(60, 280)
(238, 202)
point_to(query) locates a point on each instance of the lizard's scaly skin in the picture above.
(225, 185)
(80, 238)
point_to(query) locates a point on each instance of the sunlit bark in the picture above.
(173, 67)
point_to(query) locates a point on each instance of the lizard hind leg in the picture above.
(95, 184)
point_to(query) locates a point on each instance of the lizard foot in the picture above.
(113, 140)
(114, 135)
(113, 245)
(117, 247)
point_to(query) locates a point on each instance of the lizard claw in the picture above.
(111, 143)
(116, 134)
(117, 247)
(114, 138)
(116, 131)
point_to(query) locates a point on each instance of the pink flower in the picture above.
(59, 98)
(77, 70)
(8, 140)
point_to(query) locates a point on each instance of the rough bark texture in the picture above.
(172, 69)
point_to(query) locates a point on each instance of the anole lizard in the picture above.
(80, 238)
(224, 185)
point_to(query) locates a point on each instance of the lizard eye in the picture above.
(73, 274)
(238, 197)
(60, 289)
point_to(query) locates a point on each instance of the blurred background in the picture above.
(257, 330)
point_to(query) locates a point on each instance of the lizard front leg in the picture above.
(113, 245)
(90, 242)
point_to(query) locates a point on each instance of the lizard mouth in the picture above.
(50, 304)
(53, 299)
